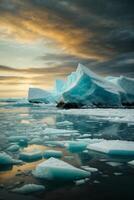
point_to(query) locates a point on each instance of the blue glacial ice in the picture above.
(55, 169)
(114, 147)
(13, 148)
(127, 86)
(76, 146)
(6, 159)
(87, 88)
(36, 95)
(31, 156)
(52, 153)
(29, 188)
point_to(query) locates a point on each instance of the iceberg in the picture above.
(6, 159)
(114, 147)
(36, 95)
(127, 86)
(29, 188)
(84, 87)
(55, 169)
(52, 153)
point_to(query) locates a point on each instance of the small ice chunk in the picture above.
(29, 188)
(13, 148)
(31, 156)
(80, 182)
(6, 159)
(114, 147)
(36, 141)
(52, 153)
(55, 169)
(90, 169)
(131, 162)
(64, 123)
(117, 173)
(17, 138)
(114, 164)
(76, 146)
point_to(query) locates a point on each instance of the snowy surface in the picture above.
(59, 170)
(114, 147)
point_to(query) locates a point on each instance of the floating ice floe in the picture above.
(36, 140)
(52, 153)
(31, 156)
(13, 148)
(90, 169)
(55, 169)
(114, 164)
(6, 159)
(64, 123)
(29, 188)
(114, 147)
(82, 181)
(76, 146)
(49, 131)
(131, 162)
(18, 138)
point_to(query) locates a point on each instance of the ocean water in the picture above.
(114, 179)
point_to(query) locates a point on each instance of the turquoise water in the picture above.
(19, 118)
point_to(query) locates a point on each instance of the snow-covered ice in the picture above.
(55, 169)
(113, 147)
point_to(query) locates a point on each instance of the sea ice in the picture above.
(13, 148)
(17, 138)
(52, 153)
(55, 169)
(77, 146)
(64, 123)
(6, 159)
(114, 147)
(29, 188)
(131, 162)
(31, 156)
(49, 131)
(90, 169)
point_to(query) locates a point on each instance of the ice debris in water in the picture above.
(82, 181)
(114, 147)
(6, 159)
(90, 169)
(114, 164)
(64, 123)
(59, 131)
(29, 188)
(36, 140)
(75, 146)
(31, 156)
(55, 169)
(131, 162)
(18, 138)
(52, 153)
(13, 148)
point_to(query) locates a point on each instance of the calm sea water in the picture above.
(19, 118)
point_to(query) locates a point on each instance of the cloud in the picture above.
(88, 29)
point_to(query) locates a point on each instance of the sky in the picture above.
(44, 40)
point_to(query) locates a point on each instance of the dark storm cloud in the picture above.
(86, 29)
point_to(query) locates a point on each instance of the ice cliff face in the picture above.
(36, 95)
(87, 88)
(127, 85)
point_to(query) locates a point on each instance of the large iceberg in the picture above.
(127, 85)
(114, 147)
(55, 169)
(36, 95)
(84, 87)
